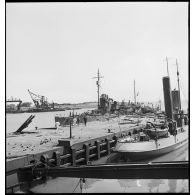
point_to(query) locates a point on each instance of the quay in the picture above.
(86, 156)
(67, 153)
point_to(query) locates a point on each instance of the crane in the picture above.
(39, 100)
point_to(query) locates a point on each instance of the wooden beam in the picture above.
(161, 170)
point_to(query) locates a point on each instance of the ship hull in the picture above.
(33, 111)
(129, 151)
(151, 154)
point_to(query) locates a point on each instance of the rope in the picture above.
(77, 185)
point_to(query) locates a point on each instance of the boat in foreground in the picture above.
(164, 137)
(132, 150)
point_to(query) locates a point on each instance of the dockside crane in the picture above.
(40, 101)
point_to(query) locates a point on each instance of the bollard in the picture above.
(97, 143)
(44, 159)
(86, 147)
(73, 156)
(56, 156)
(108, 146)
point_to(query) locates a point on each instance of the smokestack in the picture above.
(167, 97)
(176, 100)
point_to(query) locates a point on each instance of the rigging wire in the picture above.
(185, 99)
(183, 91)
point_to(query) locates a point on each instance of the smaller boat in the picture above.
(152, 133)
(157, 130)
(129, 121)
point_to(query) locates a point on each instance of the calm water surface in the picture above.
(75, 185)
(41, 120)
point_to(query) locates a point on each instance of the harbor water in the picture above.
(41, 120)
(73, 185)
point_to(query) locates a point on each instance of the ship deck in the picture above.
(150, 145)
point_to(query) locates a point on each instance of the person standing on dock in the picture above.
(74, 121)
(57, 124)
(78, 120)
(85, 120)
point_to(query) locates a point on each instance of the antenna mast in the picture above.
(98, 86)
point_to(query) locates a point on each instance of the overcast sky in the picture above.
(55, 49)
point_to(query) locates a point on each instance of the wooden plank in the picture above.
(92, 155)
(25, 124)
(14, 164)
(80, 160)
(65, 156)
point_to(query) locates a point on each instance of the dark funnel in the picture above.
(167, 98)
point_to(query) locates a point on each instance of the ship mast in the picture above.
(167, 67)
(178, 85)
(134, 93)
(98, 86)
(159, 104)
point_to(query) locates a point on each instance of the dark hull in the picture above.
(33, 111)
(54, 110)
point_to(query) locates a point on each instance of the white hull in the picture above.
(151, 149)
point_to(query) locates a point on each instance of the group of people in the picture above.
(76, 120)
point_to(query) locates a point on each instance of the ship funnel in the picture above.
(176, 101)
(167, 98)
